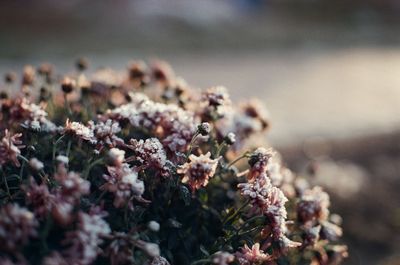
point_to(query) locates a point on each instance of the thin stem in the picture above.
(69, 147)
(191, 143)
(67, 106)
(89, 168)
(222, 145)
(237, 159)
(236, 213)
(24, 161)
(6, 183)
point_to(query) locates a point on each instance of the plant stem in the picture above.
(237, 159)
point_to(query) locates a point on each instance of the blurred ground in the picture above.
(328, 71)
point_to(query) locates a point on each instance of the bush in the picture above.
(140, 168)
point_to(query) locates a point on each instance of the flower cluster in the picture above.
(140, 168)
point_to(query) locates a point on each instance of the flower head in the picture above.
(17, 225)
(124, 183)
(149, 154)
(10, 148)
(313, 205)
(84, 242)
(79, 130)
(252, 256)
(198, 171)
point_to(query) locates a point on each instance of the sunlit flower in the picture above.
(10, 148)
(81, 131)
(198, 171)
(252, 256)
(149, 154)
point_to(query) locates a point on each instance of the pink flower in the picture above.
(79, 130)
(17, 225)
(313, 205)
(84, 242)
(222, 258)
(258, 162)
(10, 148)
(252, 256)
(39, 197)
(198, 171)
(105, 133)
(67, 195)
(124, 183)
(149, 154)
(165, 121)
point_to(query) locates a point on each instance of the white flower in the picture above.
(62, 159)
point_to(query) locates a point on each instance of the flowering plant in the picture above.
(140, 168)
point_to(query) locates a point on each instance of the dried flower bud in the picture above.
(82, 64)
(62, 159)
(138, 73)
(28, 75)
(45, 69)
(204, 128)
(3, 95)
(153, 226)
(230, 138)
(10, 77)
(67, 85)
(260, 157)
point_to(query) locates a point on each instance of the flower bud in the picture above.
(67, 85)
(230, 138)
(153, 226)
(10, 77)
(82, 64)
(204, 128)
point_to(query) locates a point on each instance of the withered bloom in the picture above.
(68, 85)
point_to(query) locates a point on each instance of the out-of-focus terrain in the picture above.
(328, 71)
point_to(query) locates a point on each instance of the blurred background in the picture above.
(328, 71)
